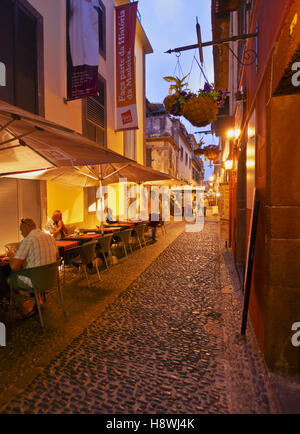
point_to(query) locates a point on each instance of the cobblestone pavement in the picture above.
(168, 344)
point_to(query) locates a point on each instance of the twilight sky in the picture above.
(171, 24)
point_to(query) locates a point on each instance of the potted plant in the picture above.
(202, 108)
(200, 151)
(199, 108)
(175, 101)
(211, 152)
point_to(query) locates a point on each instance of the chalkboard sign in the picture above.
(250, 260)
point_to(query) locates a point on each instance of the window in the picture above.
(129, 139)
(181, 153)
(149, 157)
(186, 159)
(94, 120)
(21, 54)
(102, 28)
(190, 162)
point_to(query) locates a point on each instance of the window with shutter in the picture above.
(130, 144)
(94, 120)
(149, 157)
(19, 53)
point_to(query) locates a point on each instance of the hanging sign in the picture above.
(125, 67)
(82, 48)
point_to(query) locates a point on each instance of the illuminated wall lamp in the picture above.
(234, 134)
(228, 164)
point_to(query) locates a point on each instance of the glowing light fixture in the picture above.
(228, 164)
(237, 133)
(233, 133)
(230, 134)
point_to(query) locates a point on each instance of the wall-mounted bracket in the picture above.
(249, 55)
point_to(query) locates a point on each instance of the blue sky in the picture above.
(171, 24)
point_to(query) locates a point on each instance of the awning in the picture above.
(34, 148)
(29, 142)
(169, 182)
(89, 176)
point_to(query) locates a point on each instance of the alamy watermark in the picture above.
(182, 203)
(296, 336)
(2, 335)
(2, 74)
(296, 75)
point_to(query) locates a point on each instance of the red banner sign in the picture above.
(126, 110)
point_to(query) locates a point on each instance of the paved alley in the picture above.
(168, 344)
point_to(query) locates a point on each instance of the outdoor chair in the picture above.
(162, 226)
(125, 238)
(104, 247)
(44, 279)
(69, 256)
(87, 255)
(139, 233)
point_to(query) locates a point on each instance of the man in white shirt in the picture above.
(36, 249)
(55, 226)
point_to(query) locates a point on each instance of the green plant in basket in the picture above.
(175, 101)
(202, 108)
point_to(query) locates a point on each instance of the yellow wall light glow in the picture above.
(233, 133)
(230, 134)
(228, 164)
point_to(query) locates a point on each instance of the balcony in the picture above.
(222, 8)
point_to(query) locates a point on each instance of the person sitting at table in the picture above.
(36, 249)
(109, 217)
(55, 226)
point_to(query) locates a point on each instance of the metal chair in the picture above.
(104, 247)
(87, 253)
(139, 233)
(162, 226)
(125, 238)
(43, 279)
(68, 258)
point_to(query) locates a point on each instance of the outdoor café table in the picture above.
(112, 229)
(134, 222)
(122, 226)
(96, 231)
(64, 245)
(83, 238)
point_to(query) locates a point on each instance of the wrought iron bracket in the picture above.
(249, 55)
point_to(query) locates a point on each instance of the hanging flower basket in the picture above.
(175, 101)
(212, 152)
(199, 152)
(172, 105)
(200, 110)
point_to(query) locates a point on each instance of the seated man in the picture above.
(55, 226)
(109, 217)
(36, 249)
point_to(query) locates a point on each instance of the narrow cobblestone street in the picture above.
(168, 344)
